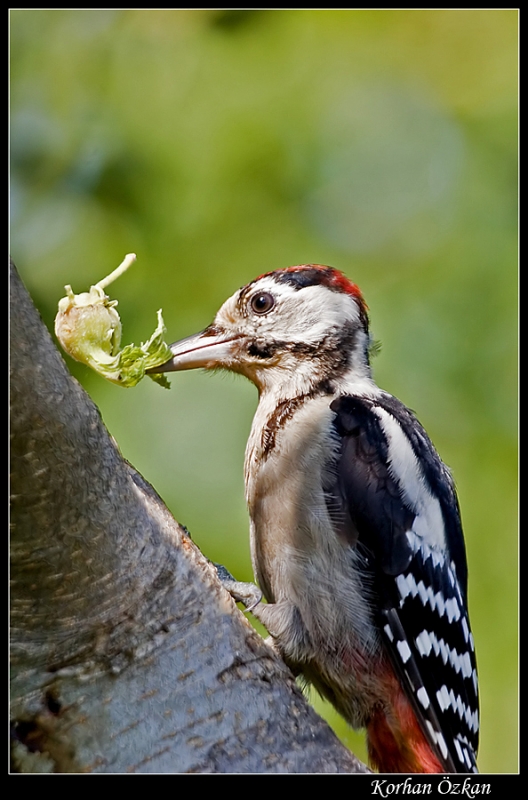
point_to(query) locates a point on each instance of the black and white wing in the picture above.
(401, 511)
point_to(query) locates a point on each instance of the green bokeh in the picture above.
(218, 145)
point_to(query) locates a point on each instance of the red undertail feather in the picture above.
(396, 742)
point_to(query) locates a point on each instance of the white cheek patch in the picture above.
(311, 313)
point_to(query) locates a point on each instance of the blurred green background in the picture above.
(218, 145)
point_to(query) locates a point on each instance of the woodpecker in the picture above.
(356, 538)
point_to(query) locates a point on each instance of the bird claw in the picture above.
(246, 593)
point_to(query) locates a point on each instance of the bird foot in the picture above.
(246, 593)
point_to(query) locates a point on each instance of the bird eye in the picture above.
(262, 303)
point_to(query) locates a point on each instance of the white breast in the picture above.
(297, 555)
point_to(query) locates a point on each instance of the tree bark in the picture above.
(127, 653)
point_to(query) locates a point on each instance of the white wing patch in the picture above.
(405, 469)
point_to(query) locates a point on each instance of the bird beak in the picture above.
(208, 349)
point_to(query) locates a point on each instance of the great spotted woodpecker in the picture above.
(356, 537)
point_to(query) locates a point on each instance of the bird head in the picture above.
(292, 328)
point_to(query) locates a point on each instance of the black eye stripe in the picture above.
(262, 302)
